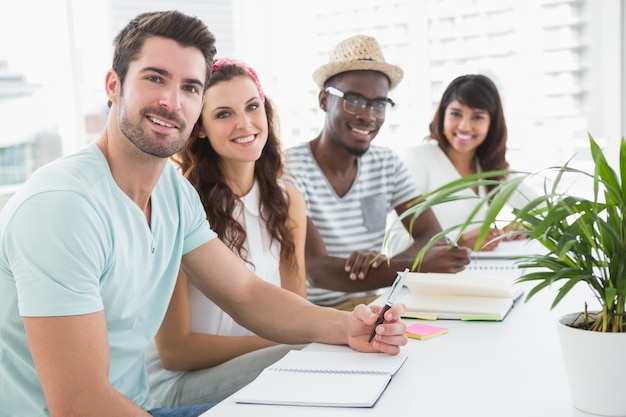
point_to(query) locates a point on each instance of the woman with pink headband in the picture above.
(233, 158)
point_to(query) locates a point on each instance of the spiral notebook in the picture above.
(323, 379)
(491, 267)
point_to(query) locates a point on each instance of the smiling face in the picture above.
(354, 132)
(234, 120)
(465, 128)
(161, 97)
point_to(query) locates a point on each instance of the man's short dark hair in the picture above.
(188, 31)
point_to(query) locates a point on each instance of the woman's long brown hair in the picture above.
(202, 166)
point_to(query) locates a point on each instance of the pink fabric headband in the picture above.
(227, 61)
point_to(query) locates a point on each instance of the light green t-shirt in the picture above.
(71, 242)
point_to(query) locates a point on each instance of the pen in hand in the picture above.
(451, 242)
(391, 298)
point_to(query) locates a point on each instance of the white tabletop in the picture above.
(510, 368)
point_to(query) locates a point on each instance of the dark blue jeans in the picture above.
(189, 411)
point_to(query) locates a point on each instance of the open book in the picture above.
(318, 378)
(483, 291)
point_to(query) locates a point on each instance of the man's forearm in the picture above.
(330, 274)
(269, 313)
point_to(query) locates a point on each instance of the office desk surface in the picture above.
(501, 369)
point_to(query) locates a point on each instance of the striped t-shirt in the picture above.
(357, 220)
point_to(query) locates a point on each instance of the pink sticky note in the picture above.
(424, 331)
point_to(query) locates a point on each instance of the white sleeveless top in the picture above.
(206, 316)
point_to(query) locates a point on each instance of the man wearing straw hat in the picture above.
(350, 186)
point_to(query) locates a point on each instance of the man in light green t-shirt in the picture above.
(91, 246)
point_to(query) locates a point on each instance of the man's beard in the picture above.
(132, 129)
(352, 151)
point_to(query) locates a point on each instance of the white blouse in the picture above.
(206, 316)
(432, 169)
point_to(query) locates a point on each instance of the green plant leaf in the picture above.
(585, 238)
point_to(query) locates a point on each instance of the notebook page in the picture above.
(492, 267)
(314, 389)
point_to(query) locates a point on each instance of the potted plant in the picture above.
(585, 243)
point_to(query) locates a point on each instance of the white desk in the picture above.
(501, 369)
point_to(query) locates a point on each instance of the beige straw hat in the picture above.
(359, 52)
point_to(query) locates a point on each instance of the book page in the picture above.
(457, 307)
(471, 283)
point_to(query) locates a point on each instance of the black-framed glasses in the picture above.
(355, 103)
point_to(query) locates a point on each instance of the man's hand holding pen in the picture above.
(379, 328)
(390, 334)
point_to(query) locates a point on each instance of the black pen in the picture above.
(391, 298)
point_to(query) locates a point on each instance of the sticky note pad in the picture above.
(424, 331)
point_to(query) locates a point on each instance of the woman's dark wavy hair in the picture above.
(478, 92)
(202, 166)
